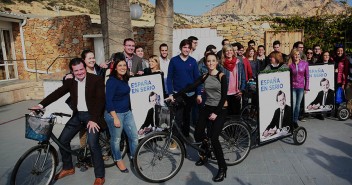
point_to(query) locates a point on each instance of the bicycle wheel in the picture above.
(156, 160)
(249, 114)
(235, 140)
(36, 166)
(104, 141)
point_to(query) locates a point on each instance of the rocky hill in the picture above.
(278, 7)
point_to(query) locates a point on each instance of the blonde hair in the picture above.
(293, 52)
(224, 49)
(277, 56)
(155, 59)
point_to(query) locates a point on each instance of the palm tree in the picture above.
(164, 22)
(115, 23)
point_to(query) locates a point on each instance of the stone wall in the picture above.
(145, 38)
(47, 39)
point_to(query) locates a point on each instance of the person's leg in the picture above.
(189, 103)
(294, 105)
(72, 127)
(299, 93)
(115, 136)
(199, 131)
(216, 130)
(129, 126)
(231, 104)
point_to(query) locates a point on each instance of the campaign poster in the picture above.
(275, 111)
(321, 97)
(147, 103)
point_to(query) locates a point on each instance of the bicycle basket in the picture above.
(38, 128)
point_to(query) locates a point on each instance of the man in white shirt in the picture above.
(164, 62)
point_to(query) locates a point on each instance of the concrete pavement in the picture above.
(324, 159)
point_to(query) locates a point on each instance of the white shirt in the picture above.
(81, 95)
(164, 65)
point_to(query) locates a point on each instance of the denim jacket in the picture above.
(300, 78)
(241, 75)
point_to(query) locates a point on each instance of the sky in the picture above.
(198, 7)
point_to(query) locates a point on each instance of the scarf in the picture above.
(230, 64)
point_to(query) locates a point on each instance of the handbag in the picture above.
(340, 95)
(37, 128)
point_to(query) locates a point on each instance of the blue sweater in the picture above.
(182, 73)
(117, 95)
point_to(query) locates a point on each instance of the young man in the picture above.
(277, 47)
(164, 62)
(194, 41)
(261, 58)
(223, 43)
(139, 50)
(251, 43)
(183, 71)
(134, 62)
(87, 92)
(300, 47)
(316, 52)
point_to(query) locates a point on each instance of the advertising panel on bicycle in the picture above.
(147, 103)
(275, 112)
(321, 96)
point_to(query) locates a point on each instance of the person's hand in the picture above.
(68, 76)
(305, 92)
(316, 106)
(37, 107)
(171, 98)
(343, 86)
(103, 65)
(140, 72)
(266, 133)
(140, 131)
(199, 99)
(117, 122)
(212, 117)
(238, 95)
(131, 74)
(309, 107)
(92, 126)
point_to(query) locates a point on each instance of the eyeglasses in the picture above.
(310, 53)
(130, 45)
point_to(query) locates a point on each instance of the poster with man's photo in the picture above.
(147, 103)
(275, 111)
(321, 96)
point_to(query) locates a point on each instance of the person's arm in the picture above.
(99, 100)
(250, 71)
(196, 76)
(223, 82)
(242, 76)
(111, 87)
(170, 77)
(306, 75)
(191, 87)
(57, 94)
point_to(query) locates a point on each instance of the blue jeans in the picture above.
(128, 125)
(72, 127)
(296, 102)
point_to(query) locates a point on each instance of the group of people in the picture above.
(215, 85)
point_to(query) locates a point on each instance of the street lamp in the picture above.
(136, 11)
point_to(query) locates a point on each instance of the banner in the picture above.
(275, 111)
(321, 96)
(147, 103)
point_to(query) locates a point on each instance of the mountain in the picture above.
(278, 7)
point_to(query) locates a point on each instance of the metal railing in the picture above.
(59, 57)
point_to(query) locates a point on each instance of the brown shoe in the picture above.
(99, 181)
(64, 173)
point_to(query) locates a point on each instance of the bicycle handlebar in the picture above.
(61, 114)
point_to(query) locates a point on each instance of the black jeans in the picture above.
(234, 105)
(72, 127)
(183, 114)
(213, 132)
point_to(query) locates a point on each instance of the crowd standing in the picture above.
(218, 79)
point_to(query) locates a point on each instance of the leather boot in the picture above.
(221, 175)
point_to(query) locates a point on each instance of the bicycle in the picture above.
(157, 161)
(249, 113)
(38, 164)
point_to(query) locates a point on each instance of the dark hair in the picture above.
(119, 57)
(236, 44)
(316, 45)
(137, 47)
(295, 45)
(85, 52)
(279, 93)
(276, 42)
(323, 80)
(251, 42)
(192, 38)
(210, 47)
(76, 61)
(240, 47)
(261, 46)
(246, 54)
(185, 42)
(210, 54)
(163, 45)
(151, 94)
(223, 41)
(126, 40)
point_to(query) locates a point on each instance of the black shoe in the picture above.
(320, 116)
(221, 175)
(202, 160)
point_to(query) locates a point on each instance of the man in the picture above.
(164, 62)
(223, 43)
(134, 63)
(194, 41)
(183, 71)
(300, 47)
(316, 53)
(152, 120)
(282, 115)
(325, 97)
(263, 60)
(139, 50)
(251, 43)
(277, 47)
(87, 93)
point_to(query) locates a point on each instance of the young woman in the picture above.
(300, 82)
(154, 65)
(118, 115)
(325, 58)
(341, 67)
(236, 78)
(251, 55)
(276, 61)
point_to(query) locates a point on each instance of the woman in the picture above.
(251, 55)
(154, 65)
(118, 113)
(300, 82)
(235, 77)
(341, 67)
(310, 59)
(213, 111)
(325, 58)
(276, 61)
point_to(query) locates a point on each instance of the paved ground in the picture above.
(324, 159)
